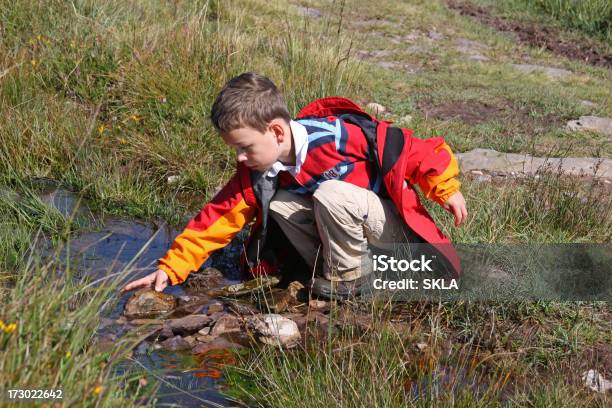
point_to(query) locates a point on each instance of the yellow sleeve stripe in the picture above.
(442, 186)
(191, 248)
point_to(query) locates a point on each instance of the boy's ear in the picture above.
(276, 126)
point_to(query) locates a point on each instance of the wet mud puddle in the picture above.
(111, 244)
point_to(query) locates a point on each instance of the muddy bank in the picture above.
(536, 35)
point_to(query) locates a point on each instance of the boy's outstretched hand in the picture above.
(456, 205)
(157, 280)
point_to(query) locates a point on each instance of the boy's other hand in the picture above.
(456, 206)
(158, 280)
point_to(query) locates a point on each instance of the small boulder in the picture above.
(147, 303)
(226, 324)
(190, 340)
(592, 123)
(204, 338)
(243, 308)
(175, 343)
(189, 324)
(376, 108)
(205, 280)
(190, 305)
(276, 330)
(164, 333)
(215, 307)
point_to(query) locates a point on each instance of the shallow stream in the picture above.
(106, 247)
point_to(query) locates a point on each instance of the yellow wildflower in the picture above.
(33, 62)
(135, 118)
(68, 354)
(39, 37)
(101, 129)
(8, 328)
(98, 389)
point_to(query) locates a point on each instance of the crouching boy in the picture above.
(333, 181)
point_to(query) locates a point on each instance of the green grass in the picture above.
(111, 98)
(532, 109)
(119, 101)
(468, 354)
(592, 17)
(545, 208)
(49, 316)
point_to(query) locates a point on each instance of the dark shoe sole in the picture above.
(340, 291)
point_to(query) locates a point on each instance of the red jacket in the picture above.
(402, 160)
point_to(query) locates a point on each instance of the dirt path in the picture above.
(535, 35)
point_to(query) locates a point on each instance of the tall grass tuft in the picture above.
(48, 342)
(49, 317)
(112, 98)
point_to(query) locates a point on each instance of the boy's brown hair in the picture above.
(249, 99)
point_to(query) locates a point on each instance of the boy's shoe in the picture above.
(323, 288)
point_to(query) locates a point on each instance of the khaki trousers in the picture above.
(335, 226)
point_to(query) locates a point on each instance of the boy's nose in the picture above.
(241, 156)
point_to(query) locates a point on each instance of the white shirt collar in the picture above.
(300, 142)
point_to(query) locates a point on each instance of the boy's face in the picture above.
(257, 150)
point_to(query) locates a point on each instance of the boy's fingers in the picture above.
(137, 284)
(160, 281)
(457, 214)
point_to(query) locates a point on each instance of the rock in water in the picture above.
(189, 324)
(239, 289)
(276, 330)
(226, 324)
(147, 303)
(208, 279)
(175, 343)
(215, 307)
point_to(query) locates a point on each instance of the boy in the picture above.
(332, 181)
